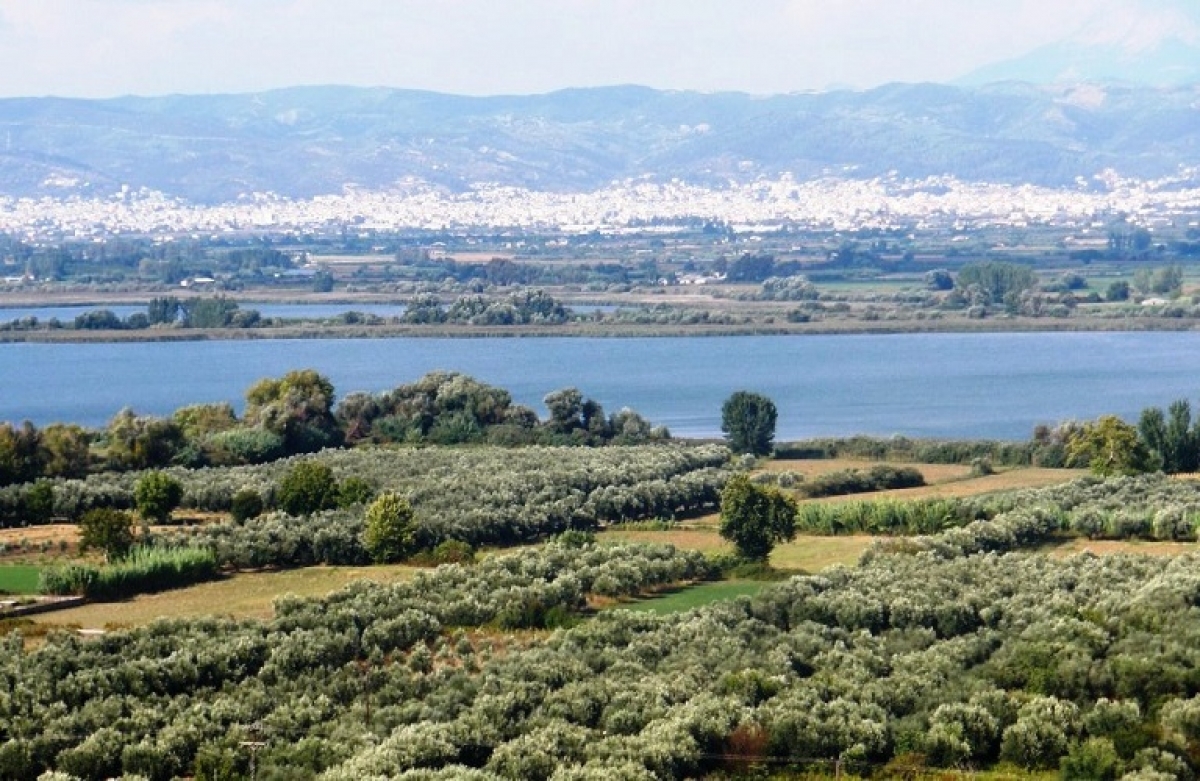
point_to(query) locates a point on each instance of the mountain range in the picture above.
(1148, 42)
(304, 142)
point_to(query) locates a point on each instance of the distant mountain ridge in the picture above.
(1148, 42)
(310, 141)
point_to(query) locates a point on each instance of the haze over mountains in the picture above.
(1124, 95)
(1145, 42)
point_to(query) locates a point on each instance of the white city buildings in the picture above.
(834, 203)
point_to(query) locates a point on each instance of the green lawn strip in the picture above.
(18, 579)
(688, 597)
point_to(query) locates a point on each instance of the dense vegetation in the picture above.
(297, 413)
(910, 659)
(321, 678)
(860, 481)
(482, 495)
(1148, 507)
(1040, 450)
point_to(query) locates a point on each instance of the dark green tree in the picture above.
(748, 420)
(939, 279)
(298, 407)
(215, 312)
(391, 529)
(1152, 431)
(751, 268)
(1183, 450)
(354, 490)
(109, 530)
(996, 280)
(322, 282)
(246, 504)
(163, 310)
(136, 442)
(1171, 439)
(755, 518)
(39, 502)
(156, 494)
(1117, 291)
(20, 453)
(66, 450)
(566, 409)
(98, 320)
(308, 486)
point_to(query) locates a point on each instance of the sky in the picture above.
(105, 48)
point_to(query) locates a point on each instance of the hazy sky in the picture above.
(100, 48)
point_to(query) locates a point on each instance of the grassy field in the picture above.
(1112, 547)
(813, 554)
(679, 600)
(803, 554)
(18, 579)
(245, 595)
(948, 480)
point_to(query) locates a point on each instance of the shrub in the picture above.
(69, 579)
(981, 466)
(352, 491)
(1093, 760)
(156, 495)
(453, 552)
(109, 530)
(246, 504)
(308, 486)
(852, 481)
(245, 446)
(390, 533)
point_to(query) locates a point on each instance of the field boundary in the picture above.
(42, 605)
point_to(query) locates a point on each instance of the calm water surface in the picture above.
(931, 385)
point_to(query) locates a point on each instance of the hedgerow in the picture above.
(142, 570)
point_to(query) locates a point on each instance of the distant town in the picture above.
(835, 202)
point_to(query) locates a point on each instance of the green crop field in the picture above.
(18, 579)
(679, 600)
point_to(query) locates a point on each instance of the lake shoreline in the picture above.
(604, 330)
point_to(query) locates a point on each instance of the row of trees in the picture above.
(451, 408)
(1167, 441)
(481, 495)
(902, 664)
(297, 413)
(199, 312)
(528, 307)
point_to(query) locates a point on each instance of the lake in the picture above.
(924, 385)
